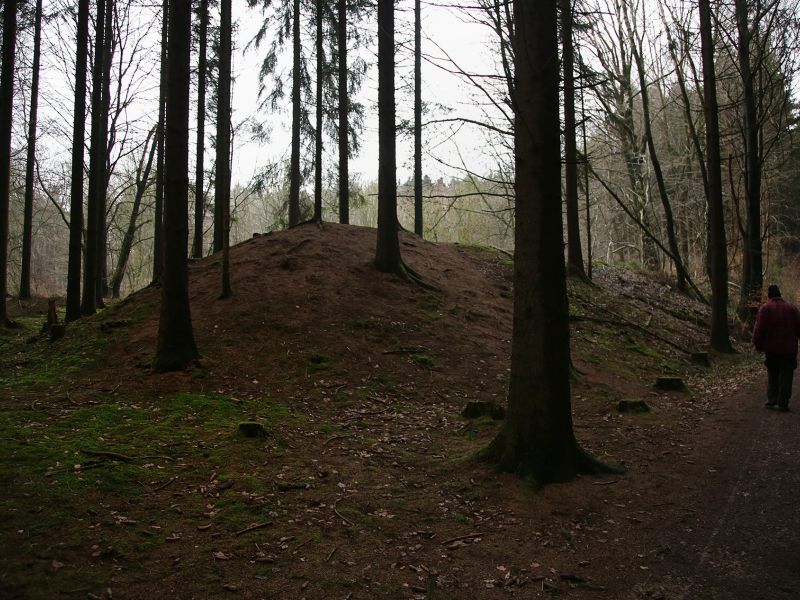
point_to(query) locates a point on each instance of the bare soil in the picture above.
(364, 486)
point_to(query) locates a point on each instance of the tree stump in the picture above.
(251, 429)
(670, 384)
(701, 358)
(482, 408)
(632, 405)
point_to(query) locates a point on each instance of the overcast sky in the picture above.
(459, 38)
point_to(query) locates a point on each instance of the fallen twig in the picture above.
(253, 528)
(340, 515)
(463, 537)
(338, 437)
(331, 553)
(163, 485)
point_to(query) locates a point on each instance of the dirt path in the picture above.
(729, 528)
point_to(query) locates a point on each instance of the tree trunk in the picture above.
(101, 288)
(344, 110)
(96, 163)
(6, 120)
(317, 218)
(717, 244)
(27, 227)
(387, 252)
(142, 176)
(537, 439)
(176, 345)
(752, 272)
(223, 180)
(76, 187)
(294, 175)
(158, 217)
(574, 253)
(199, 197)
(418, 224)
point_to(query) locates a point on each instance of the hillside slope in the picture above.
(361, 487)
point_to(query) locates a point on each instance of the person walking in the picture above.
(775, 334)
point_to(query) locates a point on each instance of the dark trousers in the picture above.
(780, 368)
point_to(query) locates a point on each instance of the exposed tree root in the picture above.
(411, 275)
(537, 469)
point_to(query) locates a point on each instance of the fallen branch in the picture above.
(625, 323)
(111, 455)
(331, 553)
(123, 457)
(253, 528)
(411, 350)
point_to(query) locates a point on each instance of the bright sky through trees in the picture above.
(445, 32)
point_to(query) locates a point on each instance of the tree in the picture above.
(321, 68)
(418, 223)
(752, 263)
(343, 110)
(223, 181)
(574, 254)
(97, 161)
(637, 43)
(199, 197)
(294, 168)
(76, 187)
(101, 279)
(158, 217)
(717, 244)
(387, 252)
(176, 346)
(141, 182)
(537, 439)
(27, 228)
(6, 118)
(613, 88)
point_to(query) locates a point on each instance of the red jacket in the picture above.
(777, 327)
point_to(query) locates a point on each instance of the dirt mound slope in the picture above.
(128, 483)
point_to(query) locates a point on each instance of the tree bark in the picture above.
(387, 252)
(294, 168)
(27, 227)
(73, 304)
(344, 119)
(176, 345)
(223, 179)
(199, 197)
(418, 223)
(717, 246)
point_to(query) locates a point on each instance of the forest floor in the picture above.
(120, 482)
